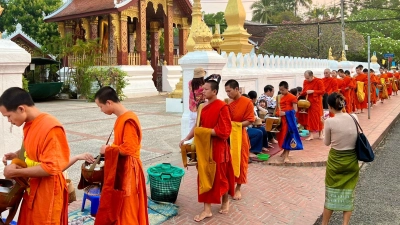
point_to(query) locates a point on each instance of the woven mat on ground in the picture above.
(159, 212)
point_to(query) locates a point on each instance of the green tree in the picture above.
(303, 3)
(286, 16)
(318, 13)
(215, 18)
(30, 15)
(376, 29)
(383, 45)
(262, 11)
(301, 41)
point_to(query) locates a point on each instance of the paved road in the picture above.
(378, 192)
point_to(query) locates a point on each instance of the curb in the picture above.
(323, 163)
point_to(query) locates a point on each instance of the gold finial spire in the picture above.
(236, 38)
(343, 56)
(1, 11)
(217, 40)
(196, 18)
(202, 37)
(374, 59)
(330, 56)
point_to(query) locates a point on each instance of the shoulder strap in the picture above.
(357, 125)
(198, 114)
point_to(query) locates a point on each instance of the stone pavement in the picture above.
(275, 194)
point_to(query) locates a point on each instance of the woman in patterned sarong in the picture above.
(342, 170)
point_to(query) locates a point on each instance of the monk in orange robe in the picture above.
(241, 110)
(346, 89)
(224, 181)
(396, 77)
(384, 76)
(362, 77)
(287, 102)
(46, 155)
(339, 80)
(374, 81)
(330, 85)
(389, 82)
(123, 198)
(314, 88)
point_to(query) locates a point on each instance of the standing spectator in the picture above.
(196, 96)
(342, 168)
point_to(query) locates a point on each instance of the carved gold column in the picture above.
(236, 38)
(155, 46)
(115, 34)
(61, 29)
(169, 34)
(123, 52)
(94, 23)
(196, 18)
(86, 28)
(141, 27)
(183, 36)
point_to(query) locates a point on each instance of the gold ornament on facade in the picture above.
(217, 40)
(117, 30)
(132, 12)
(86, 27)
(196, 19)
(61, 29)
(156, 3)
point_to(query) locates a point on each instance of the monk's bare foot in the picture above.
(237, 195)
(309, 139)
(274, 141)
(286, 160)
(202, 216)
(224, 208)
(321, 137)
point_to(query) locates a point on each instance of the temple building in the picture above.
(123, 28)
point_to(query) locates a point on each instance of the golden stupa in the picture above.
(196, 18)
(236, 38)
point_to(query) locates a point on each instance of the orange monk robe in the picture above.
(129, 176)
(374, 82)
(346, 89)
(339, 82)
(383, 76)
(241, 110)
(46, 203)
(389, 83)
(362, 78)
(224, 180)
(286, 104)
(330, 85)
(314, 113)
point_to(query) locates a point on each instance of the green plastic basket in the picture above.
(165, 181)
(263, 157)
